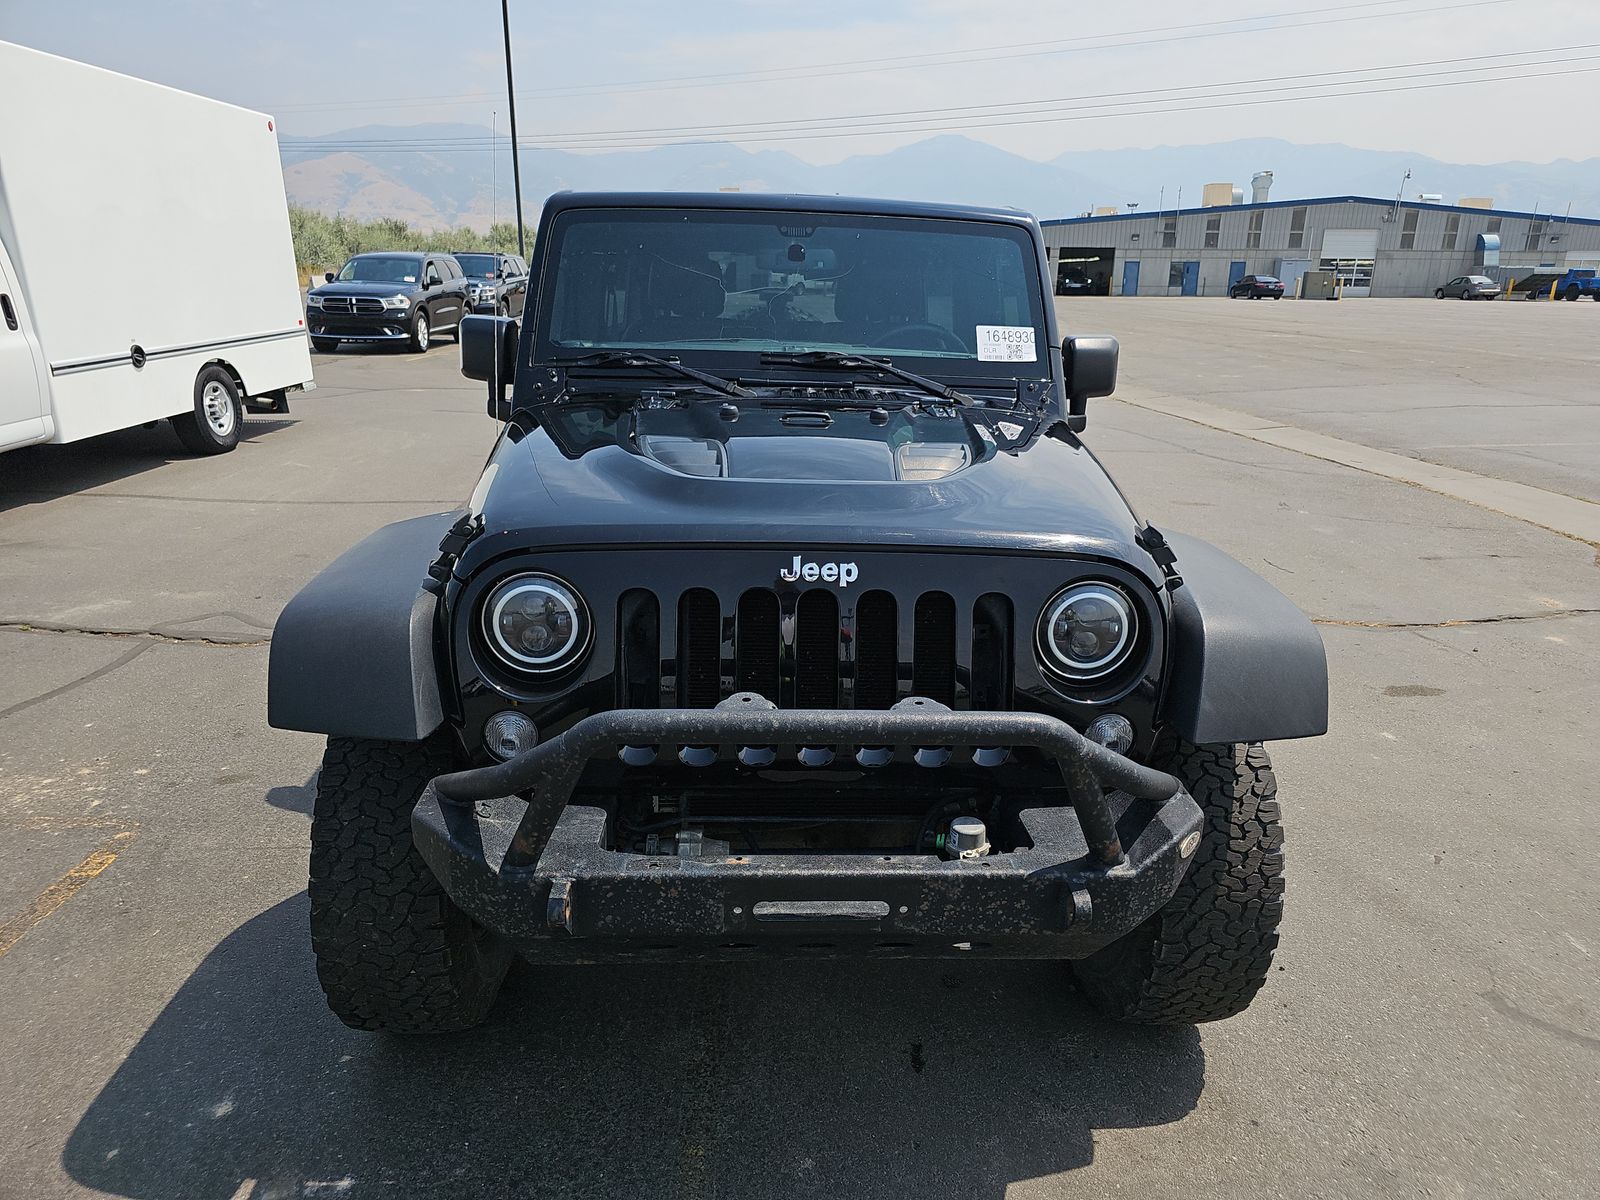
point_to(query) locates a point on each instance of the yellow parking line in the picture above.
(62, 890)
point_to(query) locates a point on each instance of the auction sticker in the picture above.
(1006, 343)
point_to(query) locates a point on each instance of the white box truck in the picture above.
(146, 267)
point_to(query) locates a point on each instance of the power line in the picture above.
(1016, 108)
(391, 147)
(1000, 53)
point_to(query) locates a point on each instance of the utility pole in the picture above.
(511, 99)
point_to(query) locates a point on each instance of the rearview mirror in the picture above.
(1090, 366)
(327, 276)
(489, 353)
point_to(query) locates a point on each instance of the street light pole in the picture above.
(511, 99)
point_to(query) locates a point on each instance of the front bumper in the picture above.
(512, 850)
(389, 326)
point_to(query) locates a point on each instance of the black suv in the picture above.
(388, 297)
(498, 283)
(791, 614)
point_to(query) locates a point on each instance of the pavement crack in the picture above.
(157, 634)
(115, 664)
(1503, 618)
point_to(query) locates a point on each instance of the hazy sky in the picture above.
(592, 67)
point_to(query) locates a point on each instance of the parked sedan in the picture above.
(1257, 287)
(498, 282)
(1468, 287)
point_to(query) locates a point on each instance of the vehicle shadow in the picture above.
(751, 1080)
(39, 473)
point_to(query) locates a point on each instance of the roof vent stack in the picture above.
(1260, 185)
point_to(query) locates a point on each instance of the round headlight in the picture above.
(536, 624)
(1087, 631)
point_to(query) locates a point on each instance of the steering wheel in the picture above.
(941, 338)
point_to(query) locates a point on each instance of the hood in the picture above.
(1051, 498)
(360, 288)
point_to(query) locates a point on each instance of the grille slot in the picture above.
(876, 650)
(757, 645)
(638, 650)
(816, 676)
(990, 687)
(933, 662)
(699, 649)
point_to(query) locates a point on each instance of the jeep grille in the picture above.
(813, 649)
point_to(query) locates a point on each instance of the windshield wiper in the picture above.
(860, 362)
(632, 358)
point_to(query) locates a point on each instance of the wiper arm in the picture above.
(860, 362)
(632, 358)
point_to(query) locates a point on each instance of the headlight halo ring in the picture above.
(1058, 661)
(572, 649)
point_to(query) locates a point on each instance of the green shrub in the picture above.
(322, 243)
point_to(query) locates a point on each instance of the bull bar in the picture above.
(511, 847)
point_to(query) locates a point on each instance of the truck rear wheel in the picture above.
(1204, 956)
(393, 951)
(213, 426)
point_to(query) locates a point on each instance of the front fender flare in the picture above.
(1247, 665)
(354, 653)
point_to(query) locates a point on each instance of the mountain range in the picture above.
(454, 188)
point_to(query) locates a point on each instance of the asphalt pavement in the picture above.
(1431, 1027)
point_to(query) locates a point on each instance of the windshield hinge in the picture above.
(469, 526)
(1156, 546)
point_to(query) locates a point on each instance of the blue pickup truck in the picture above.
(1579, 282)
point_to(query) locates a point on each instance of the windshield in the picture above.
(764, 282)
(480, 265)
(380, 269)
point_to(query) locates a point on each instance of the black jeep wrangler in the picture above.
(791, 614)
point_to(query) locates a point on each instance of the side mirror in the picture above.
(489, 353)
(327, 276)
(1090, 366)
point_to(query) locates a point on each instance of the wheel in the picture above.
(324, 345)
(1572, 292)
(1438, 293)
(1204, 956)
(393, 952)
(421, 334)
(213, 426)
(503, 309)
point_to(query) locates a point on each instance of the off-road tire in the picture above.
(217, 418)
(393, 951)
(1572, 292)
(1204, 956)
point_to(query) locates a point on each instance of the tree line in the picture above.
(322, 242)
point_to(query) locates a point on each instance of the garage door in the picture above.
(1350, 243)
(1351, 254)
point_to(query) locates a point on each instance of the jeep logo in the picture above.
(842, 573)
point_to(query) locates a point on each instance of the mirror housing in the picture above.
(1089, 364)
(489, 354)
(327, 276)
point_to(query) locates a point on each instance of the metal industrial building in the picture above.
(1375, 247)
